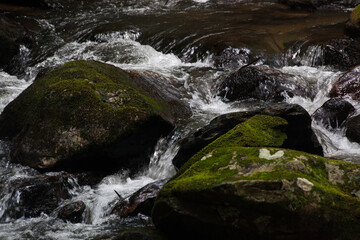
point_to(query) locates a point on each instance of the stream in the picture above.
(181, 42)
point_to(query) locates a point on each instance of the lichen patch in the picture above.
(304, 184)
(265, 154)
(335, 174)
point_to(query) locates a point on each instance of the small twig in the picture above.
(121, 198)
(250, 63)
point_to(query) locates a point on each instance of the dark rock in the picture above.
(12, 33)
(320, 4)
(231, 58)
(148, 233)
(353, 129)
(37, 3)
(342, 53)
(88, 116)
(72, 212)
(353, 25)
(263, 83)
(333, 113)
(348, 85)
(142, 201)
(299, 4)
(31, 196)
(299, 132)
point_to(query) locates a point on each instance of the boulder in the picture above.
(341, 53)
(333, 113)
(227, 191)
(348, 85)
(352, 126)
(262, 83)
(141, 201)
(87, 116)
(299, 132)
(31, 196)
(72, 212)
(353, 25)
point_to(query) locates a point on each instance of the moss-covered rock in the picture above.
(300, 135)
(353, 25)
(227, 191)
(85, 115)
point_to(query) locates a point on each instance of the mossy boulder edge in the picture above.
(228, 191)
(85, 115)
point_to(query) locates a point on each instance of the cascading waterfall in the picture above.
(193, 82)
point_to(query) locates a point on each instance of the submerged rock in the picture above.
(263, 83)
(226, 191)
(348, 85)
(87, 115)
(333, 113)
(72, 212)
(298, 130)
(142, 201)
(31, 196)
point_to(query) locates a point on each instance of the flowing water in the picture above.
(180, 42)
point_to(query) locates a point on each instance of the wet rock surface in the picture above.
(342, 53)
(333, 113)
(348, 85)
(353, 129)
(262, 83)
(31, 196)
(12, 34)
(299, 133)
(72, 212)
(142, 201)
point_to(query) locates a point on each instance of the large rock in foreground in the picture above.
(231, 192)
(86, 115)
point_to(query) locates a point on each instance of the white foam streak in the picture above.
(336, 145)
(10, 88)
(320, 80)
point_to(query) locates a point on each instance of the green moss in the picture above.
(79, 91)
(355, 15)
(259, 130)
(234, 163)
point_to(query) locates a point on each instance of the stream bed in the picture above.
(189, 46)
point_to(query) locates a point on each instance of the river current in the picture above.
(177, 42)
